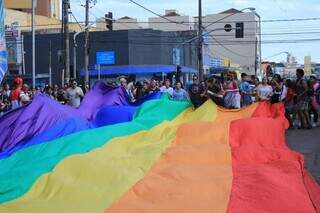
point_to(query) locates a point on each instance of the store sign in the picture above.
(14, 44)
(105, 58)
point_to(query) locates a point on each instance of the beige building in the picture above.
(124, 23)
(307, 65)
(236, 37)
(47, 20)
(177, 22)
(47, 8)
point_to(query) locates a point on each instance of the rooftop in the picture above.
(231, 11)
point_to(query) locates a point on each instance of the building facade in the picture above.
(177, 22)
(124, 23)
(130, 47)
(232, 36)
(235, 35)
(47, 8)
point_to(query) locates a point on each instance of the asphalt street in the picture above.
(307, 142)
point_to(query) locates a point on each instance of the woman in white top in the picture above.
(265, 91)
(167, 88)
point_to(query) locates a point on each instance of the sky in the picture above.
(267, 9)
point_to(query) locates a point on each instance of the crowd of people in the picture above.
(300, 97)
(20, 94)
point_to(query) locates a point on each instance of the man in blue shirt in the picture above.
(245, 90)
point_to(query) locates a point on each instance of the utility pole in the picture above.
(200, 42)
(34, 4)
(66, 7)
(86, 45)
(74, 58)
(50, 64)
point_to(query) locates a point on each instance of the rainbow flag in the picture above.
(169, 158)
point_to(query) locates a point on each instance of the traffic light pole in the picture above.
(75, 49)
(86, 45)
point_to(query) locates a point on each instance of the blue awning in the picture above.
(138, 69)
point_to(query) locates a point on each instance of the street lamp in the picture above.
(75, 49)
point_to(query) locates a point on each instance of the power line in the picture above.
(163, 17)
(214, 22)
(224, 42)
(229, 50)
(120, 22)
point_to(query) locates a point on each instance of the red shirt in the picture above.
(15, 94)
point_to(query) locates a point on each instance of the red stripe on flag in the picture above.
(267, 175)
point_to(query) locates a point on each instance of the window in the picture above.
(239, 30)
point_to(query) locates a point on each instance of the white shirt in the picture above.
(24, 98)
(74, 96)
(265, 92)
(168, 90)
(284, 92)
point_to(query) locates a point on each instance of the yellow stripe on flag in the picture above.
(93, 181)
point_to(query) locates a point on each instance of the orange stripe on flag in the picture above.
(193, 175)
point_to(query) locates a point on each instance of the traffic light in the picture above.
(178, 73)
(109, 21)
(239, 30)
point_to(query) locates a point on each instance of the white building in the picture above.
(124, 23)
(176, 22)
(235, 35)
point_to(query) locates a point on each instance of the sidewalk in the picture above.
(307, 142)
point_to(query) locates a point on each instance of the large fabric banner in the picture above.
(3, 52)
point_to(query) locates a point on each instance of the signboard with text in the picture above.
(105, 57)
